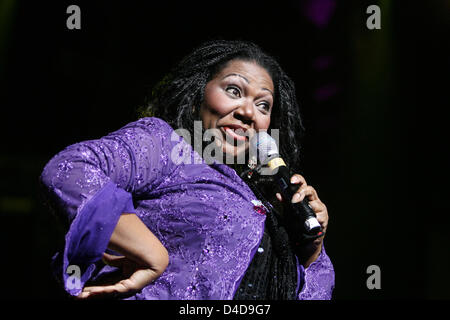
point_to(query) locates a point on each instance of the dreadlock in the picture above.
(177, 98)
(182, 90)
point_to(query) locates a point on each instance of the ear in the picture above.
(196, 109)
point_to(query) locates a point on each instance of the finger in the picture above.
(317, 206)
(83, 295)
(93, 289)
(299, 195)
(127, 285)
(100, 290)
(323, 220)
(279, 197)
(321, 213)
(311, 193)
(298, 179)
(122, 288)
(319, 209)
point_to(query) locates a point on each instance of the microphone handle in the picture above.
(301, 217)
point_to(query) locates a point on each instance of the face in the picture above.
(238, 100)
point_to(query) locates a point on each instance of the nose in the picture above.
(245, 112)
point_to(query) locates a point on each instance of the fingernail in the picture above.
(294, 179)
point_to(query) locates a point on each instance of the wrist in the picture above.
(308, 253)
(132, 239)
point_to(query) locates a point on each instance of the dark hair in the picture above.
(182, 90)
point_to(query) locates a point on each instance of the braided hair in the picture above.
(176, 99)
(182, 90)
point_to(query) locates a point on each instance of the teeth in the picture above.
(237, 133)
(240, 132)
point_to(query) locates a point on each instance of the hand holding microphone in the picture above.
(301, 219)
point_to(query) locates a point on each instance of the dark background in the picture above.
(372, 102)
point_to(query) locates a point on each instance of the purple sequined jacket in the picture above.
(203, 214)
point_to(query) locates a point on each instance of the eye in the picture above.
(265, 106)
(235, 91)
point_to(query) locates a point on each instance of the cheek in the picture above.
(262, 123)
(216, 102)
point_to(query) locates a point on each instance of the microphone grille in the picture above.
(264, 145)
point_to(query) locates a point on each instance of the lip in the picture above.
(235, 127)
(229, 130)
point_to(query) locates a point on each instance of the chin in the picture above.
(235, 151)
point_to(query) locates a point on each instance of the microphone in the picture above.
(301, 216)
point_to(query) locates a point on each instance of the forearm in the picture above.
(317, 280)
(133, 239)
(309, 253)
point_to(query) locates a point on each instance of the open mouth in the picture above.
(237, 133)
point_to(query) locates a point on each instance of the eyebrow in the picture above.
(246, 80)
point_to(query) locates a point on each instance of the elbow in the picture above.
(50, 175)
(46, 177)
(45, 186)
(163, 262)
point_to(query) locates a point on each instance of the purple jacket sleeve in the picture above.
(90, 184)
(317, 281)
